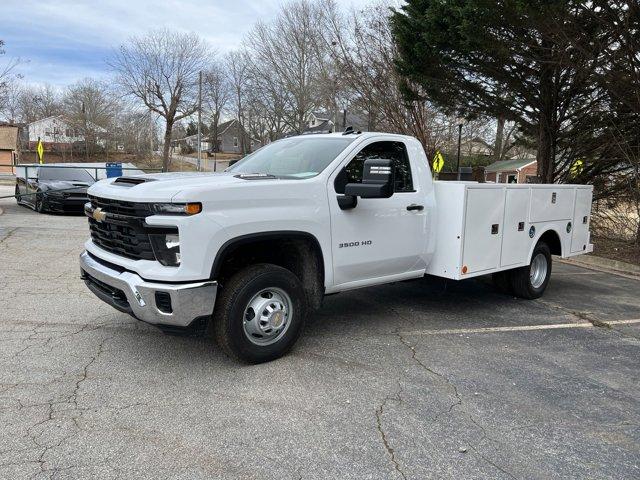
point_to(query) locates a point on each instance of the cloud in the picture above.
(65, 40)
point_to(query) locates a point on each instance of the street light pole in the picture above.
(459, 141)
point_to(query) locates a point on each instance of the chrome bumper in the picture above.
(129, 293)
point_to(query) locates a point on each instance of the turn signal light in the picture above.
(192, 208)
(464, 269)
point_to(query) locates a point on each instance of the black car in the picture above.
(54, 188)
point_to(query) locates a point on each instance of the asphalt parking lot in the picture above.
(414, 380)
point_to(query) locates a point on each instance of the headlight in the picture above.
(176, 208)
(166, 247)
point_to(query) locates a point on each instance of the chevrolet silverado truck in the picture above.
(246, 254)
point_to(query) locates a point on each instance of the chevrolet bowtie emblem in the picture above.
(99, 215)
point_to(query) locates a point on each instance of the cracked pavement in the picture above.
(403, 381)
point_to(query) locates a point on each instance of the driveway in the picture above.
(414, 380)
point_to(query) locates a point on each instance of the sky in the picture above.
(62, 41)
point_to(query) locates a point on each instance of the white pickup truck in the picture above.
(245, 254)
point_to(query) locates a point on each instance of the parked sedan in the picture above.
(53, 188)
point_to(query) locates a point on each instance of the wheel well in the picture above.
(552, 239)
(298, 252)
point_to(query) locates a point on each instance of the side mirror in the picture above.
(377, 180)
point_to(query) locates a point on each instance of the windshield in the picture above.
(296, 157)
(65, 173)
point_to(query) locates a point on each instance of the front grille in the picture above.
(124, 238)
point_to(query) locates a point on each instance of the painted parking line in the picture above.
(520, 328)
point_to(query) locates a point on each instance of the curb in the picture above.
(605, 265)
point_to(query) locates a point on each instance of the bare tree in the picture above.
(6, 75)
(216, 93)
(161, 69)
(10, 103)
(37, 102)
(237, 66)
(89, 107)
(362, 47)
(287, 54)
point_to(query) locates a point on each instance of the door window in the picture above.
(395, 151)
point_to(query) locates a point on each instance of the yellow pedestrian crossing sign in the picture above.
(40, 150)
(438, 162)
(576, 168)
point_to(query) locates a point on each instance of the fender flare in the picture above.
(232, 243)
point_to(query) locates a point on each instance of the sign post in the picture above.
(40, 151)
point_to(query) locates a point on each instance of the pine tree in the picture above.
(525, 61)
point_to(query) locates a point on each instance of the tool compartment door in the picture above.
(581, 220)
(551, 203)
(516, 241)
(483, 229)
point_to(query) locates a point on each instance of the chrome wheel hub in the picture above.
(267, 316)
(538, 270)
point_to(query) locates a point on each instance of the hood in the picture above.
(67, 185)
(162, 187)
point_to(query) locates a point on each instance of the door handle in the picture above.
(414, 206)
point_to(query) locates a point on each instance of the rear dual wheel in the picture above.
(529, 281)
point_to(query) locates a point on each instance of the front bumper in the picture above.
(148, 301)
(64, 204)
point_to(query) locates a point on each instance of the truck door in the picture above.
(380, 237)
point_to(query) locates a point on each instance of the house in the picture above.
(322, 122)
(57, 132)
(230, 136)
(9, 147)
(317, 119)
(476, 147)
(192, 142)
(523, 170)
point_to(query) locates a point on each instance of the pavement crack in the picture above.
(456, 403)
(8, 234)
(450, 385)
(383, 435)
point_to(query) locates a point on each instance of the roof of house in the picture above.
(321, 115)
(509, 165)
(325, 127)
(8, 137)
(477, 141)
(65, 121)
(224, 126)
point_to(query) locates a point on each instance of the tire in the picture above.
(531, 281)
(247, 335)
(18, 196)
(39, 203)
(502, 282)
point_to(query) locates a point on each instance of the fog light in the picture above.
(166, 248)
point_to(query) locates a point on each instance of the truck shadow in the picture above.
(430, 302)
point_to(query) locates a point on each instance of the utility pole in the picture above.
(86, 140)
(199, 118)
(459, 141)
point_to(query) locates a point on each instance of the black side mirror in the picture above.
(377, 180)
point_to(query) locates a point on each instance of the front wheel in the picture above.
(39, 203)
(531, 281)
(260, 313)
